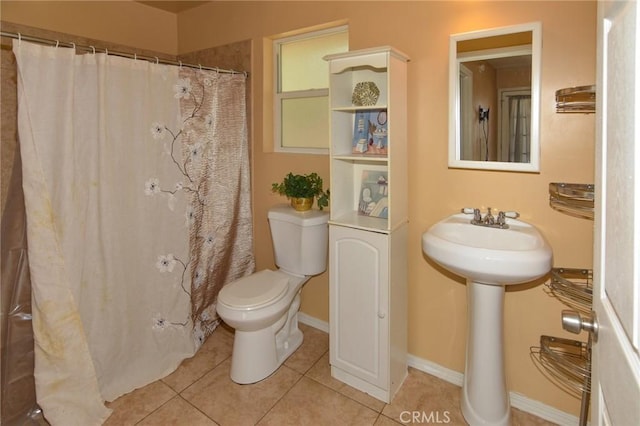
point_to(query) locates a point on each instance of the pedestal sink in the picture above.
(489, 258)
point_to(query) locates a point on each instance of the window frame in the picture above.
(279, 96)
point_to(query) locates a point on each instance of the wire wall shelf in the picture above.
(581, 99)
(565, 362)
(575, 199)
(573, 287)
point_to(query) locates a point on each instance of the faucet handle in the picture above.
(501, 218)
(477, 217)
(512, 214)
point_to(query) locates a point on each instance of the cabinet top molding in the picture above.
(370, 51)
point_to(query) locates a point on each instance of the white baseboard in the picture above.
(313, 322)
(518, 401)
(541, 410)
(436, 370)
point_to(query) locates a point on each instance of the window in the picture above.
(301, 110)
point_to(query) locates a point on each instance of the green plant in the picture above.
(303, 186)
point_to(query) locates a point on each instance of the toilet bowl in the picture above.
(263, 307)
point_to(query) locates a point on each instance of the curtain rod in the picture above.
(51, 42)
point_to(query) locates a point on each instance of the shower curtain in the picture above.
(136, 183)
(519, 128)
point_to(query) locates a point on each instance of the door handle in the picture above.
(573, 322)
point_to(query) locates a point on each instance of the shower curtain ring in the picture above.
(180, 62)
(57, 43)
(106, 51)
(93, 49)
(200, 66)
(74, 45)
(19, 38)
(157, 60)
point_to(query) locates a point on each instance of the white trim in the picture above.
(454, 115)
(436, 370)
(541, 410)
(465, 97)
(277, 107)
(313, 322)
(309, 34)
(503, 116)
(518, 401)
(279, 95)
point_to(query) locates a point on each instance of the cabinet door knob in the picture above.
(381, 315)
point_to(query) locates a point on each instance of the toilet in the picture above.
(263, 307)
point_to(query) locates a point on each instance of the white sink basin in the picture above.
(490, 259)
(488, 255)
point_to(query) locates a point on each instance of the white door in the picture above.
(616, 356)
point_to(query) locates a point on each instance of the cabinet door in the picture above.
(359, 303)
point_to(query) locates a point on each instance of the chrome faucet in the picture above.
(489, 220)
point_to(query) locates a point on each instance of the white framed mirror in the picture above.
(494, 98)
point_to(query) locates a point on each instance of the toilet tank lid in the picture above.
(286, 213)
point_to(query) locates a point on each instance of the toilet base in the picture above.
(257, 354)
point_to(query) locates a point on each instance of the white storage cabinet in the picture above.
(368, 223)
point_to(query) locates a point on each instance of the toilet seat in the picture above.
(255, 290)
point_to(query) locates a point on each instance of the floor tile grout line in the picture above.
(283, 395)
(199, 410)
(304, 375)
(307, 374)
(337, 391)
(176, 394)
(199, 377)
(196, 381)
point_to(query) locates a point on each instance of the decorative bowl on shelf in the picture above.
(365, 94)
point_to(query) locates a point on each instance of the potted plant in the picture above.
(301, 190)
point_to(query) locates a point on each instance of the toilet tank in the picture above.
(300, 239)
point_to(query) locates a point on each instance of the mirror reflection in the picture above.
(494, 98)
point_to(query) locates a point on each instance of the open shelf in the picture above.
(366, 223)
(353, 108)
(368, 143)
(575, 199)
(565, 362)
(581, 99)
(573, 287)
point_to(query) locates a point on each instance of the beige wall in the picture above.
(126, 23)
(437, 300)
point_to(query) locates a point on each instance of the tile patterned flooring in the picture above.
(301, 392)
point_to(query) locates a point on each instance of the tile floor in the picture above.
(301, 392)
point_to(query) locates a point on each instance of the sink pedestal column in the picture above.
(485, 400)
